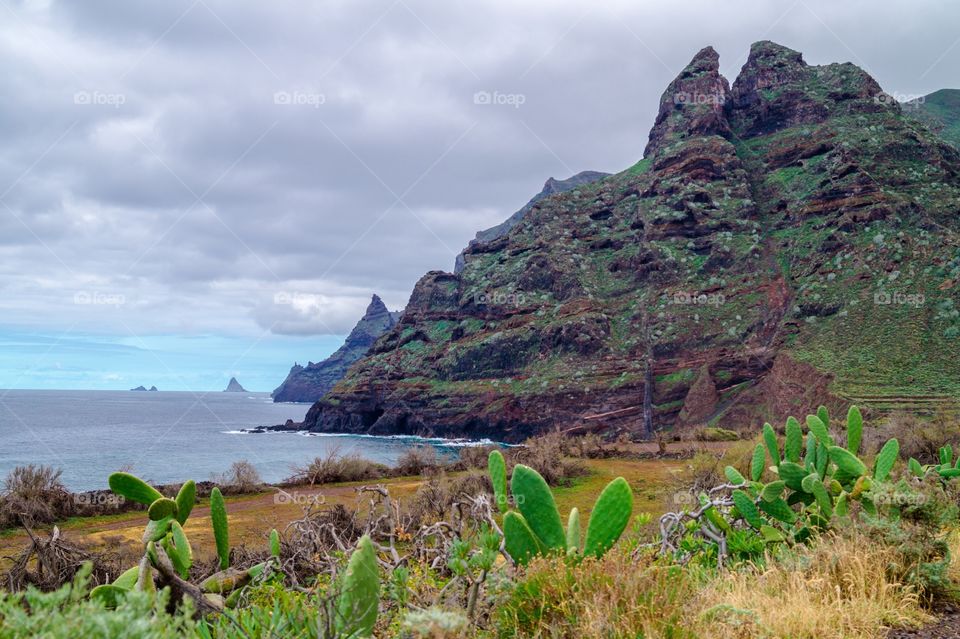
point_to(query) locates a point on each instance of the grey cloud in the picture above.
(179, 100)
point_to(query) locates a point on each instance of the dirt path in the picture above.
(948, 627)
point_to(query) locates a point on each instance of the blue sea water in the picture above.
(167, 437)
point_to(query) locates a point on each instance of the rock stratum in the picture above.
(787, 240)
(311, 382)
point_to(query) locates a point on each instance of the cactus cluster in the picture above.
(808, 483)
(813, 480)
(946, 469)
(168, 556)
(535, 528)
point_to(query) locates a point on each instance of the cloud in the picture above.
(196, 159)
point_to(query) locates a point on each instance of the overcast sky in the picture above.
(191, 189)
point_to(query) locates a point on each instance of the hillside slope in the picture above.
(941, 112)
(787, 240)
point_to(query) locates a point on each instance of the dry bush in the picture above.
(33, 495)
(549, 455)
(919, 438)
(242, 477)
(51, 561)
(334, 467)
(418, 460)
(840, 588)
(474, 457)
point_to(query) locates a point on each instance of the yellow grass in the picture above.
(838, 589)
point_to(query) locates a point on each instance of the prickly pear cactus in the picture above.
(498, 477)
(536, 504)
(359, 600)
(609, 518)
(221, 533)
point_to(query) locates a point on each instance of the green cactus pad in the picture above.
(156, 529)
(178, 548)
(854, 429)
(793, 444)
(915, 467)
(221, 533)
(847, 461)
(810, 459)
(792, 474)
(758, 461)
(186, 498)
(949, 473)
(520, 542)
(162, 508)
(497, 467)
(609, 518)
(773, 490)
(275, 543)
(128, 579)
(573, 531)
(779, 510)
(819, 430)
(771, 535)
(747, 509)
(226, 580)
(886, 458)
(109, 594)
(946, 455)
(823, 415)
(359, 600)
(770, 440)
(734, 476)
(133, 488)
(823, 458)
(537, 505)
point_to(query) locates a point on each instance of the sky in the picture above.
(197, 189)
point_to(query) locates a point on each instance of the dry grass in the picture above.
(842, 588)
(609, 598)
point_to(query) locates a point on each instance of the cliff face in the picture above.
(311, 382)
(550, 187)
(786, 241)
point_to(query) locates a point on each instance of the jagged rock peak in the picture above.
(376, 306)
(693, 103)
(766, 53)
(776, 89)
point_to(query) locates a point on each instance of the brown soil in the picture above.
(948, 627)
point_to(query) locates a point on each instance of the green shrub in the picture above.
(68, 613)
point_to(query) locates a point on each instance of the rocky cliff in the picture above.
(550, 187)
(311, 382)
(787, 240)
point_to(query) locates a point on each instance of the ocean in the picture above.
(167, 437)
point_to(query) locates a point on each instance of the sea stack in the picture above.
(234, 387)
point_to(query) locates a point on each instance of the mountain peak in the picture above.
(693, 103)
(376, 306)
